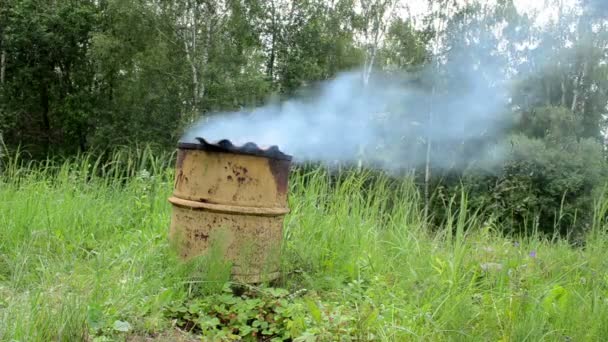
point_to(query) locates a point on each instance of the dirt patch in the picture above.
(174, 335)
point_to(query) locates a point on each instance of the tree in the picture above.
(373, 22)
(43, 68)
(316, 42)
(141, 75)
(3, 18)
(567, 69)
(404, 49)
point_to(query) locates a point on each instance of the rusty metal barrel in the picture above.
(234, 197)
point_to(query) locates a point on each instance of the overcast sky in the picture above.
(545, 13)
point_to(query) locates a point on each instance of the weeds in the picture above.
(84, 256)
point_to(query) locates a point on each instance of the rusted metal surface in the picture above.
(235, 197)
(232, 179)
(280, 172)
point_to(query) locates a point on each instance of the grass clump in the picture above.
(84, 256)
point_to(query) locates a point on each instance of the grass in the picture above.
(84, 256)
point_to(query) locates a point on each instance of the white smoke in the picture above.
(385, 123)
(460, 104)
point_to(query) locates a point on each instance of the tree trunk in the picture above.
(547, 86)
(270, 65)
(197, 55)
(2, 66)
(111, 89)
(191, 55)
(46, 123)
(82, 137)
(205, 59)
(563, 87)
(427, 168)
(374, 13)
(2, 56)
(427, 178)
(577, 85)
(369, 63)
(367, 70)
(195, 84)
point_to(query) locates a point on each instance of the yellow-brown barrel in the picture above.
(237, 200)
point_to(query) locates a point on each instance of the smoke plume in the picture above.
(460, 105)
(385, 123)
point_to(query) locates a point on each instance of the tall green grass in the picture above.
(83, 245)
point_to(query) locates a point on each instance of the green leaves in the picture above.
(252, 314)
(273, 313)
(314, 310)
(556, 300)
(98, 322)
(95, 317)
(553, 179)
(121, 326)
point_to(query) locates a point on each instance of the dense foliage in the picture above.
(80, 76)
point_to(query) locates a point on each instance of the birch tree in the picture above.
(197, 21)
(376, 16)
(438, 21)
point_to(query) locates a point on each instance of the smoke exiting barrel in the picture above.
(231, 199)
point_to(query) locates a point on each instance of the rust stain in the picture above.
(280, 172)
(200, 236)
(213, 189)
(240, 173)
(220, 176)
(179, 178)
(181, 155)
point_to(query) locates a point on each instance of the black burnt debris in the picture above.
(227, 146)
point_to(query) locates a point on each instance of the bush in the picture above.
(554, 180)
(545, 185)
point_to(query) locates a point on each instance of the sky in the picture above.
(545, 13)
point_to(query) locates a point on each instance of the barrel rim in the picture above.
(224, 208)
(226, 146)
